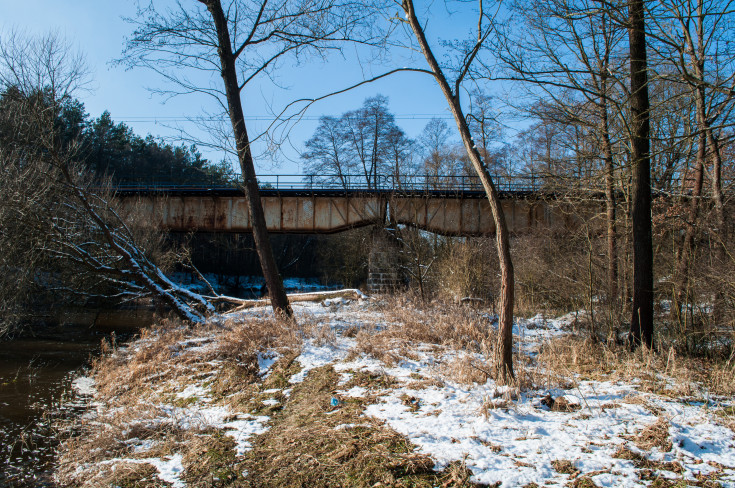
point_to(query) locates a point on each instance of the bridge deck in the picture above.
(327, 211)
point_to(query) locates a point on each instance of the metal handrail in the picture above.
(520, 182)
(423, 182)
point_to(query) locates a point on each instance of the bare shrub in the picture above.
(438, 323)
(466, 268)
(561, 359)
(343, 257)
(553, 271)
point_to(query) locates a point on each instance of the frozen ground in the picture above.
(503, 436)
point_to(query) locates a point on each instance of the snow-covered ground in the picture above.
(500, 434)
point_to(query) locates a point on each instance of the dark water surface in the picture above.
(34, 374)
(36, 377)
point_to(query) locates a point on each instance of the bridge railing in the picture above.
(522, 182)
(349, 182)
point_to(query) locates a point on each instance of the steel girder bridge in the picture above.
(320, 204)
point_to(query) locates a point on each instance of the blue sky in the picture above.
(97, 28)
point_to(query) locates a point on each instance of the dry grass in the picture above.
(564, 358)
(209, 460)
(655, 435)
(437, 328)
(448, 324)
(642, 462)
(126, 475)
(138, 387)
(312, 443)
(307, 444)
(304, 446)
(564, 466)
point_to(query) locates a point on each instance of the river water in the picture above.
(34, 374)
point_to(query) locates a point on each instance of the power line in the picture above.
(156, 119)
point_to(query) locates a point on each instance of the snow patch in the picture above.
(84, 385)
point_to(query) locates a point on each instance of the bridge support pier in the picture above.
(383, 269)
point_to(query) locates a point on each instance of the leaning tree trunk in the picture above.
(507, 286)
(278, 297)
(641, 324)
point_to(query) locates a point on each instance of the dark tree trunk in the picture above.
(278, 297)
(641, 324)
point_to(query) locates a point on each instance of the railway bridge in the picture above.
(448, 205)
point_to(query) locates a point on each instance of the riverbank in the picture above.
(386, 393)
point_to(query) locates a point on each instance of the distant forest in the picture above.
(113, 150)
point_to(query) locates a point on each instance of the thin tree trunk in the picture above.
(641, 324)
(507, 286)
(278, 297)
(611, 210)
(687, 248)
(697, 59)
(721, 218)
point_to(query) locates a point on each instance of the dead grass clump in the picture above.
(642, 462)
(371, 380)
(564, 466)
(210, 460)
(655, 435)
(235, 377)
(467, 369)
(312, 443)
(582, 482)
(439, 323)
(574, 354)
(254, 335)
(123, 475)
(155, 347)
(377, 344)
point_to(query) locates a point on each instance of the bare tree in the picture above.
(694, 39)
(240, 41)
(468, 54)
(359, 147)
(326, 154)
(439, 157)
(61, 217)
(568, 55)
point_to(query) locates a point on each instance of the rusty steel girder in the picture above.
(467, 216)
(323, 214)
(283, 214)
